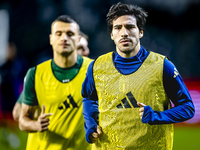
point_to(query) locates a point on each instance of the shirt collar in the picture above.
(76, 65)
(137, 58)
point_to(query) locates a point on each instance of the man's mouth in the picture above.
(64, 45)
(125, 41)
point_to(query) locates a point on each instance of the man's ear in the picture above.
(141, 34)
(111, 35)
(50, 38)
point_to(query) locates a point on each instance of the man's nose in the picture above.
(64, 37)
(124, 32)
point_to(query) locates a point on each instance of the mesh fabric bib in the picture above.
(118, 95)
(64, 100)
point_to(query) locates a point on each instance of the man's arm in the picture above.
(16, 111)
(178, 94)
(27, 122)
(90, 107)
(17, 108)
(29, 106)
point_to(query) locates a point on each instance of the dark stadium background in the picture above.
(172, 29)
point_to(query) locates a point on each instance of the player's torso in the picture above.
(64, 100)
(118, 96)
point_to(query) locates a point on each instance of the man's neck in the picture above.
(131, 54)
(65, 61)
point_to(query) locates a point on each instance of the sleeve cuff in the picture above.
(147, 115)
(88, 133)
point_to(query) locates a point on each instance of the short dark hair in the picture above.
(120, 9)
(65, 18)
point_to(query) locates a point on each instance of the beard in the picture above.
(64, 52)
(128, 48)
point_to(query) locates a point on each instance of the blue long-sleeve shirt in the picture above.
(173, 84)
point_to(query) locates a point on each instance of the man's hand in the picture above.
(93, 137)
(141, 109)
(43, 120)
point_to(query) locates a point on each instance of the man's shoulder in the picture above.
(44, 63)
(87, 59)
(104, 56)
(31, 71)
(157, 54)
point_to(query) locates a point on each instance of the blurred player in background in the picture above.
(82, 46)
(54, 89)
(83, 50)
(127, 93)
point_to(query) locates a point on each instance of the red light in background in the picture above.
(193, 86)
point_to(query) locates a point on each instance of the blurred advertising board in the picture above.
(193, 86)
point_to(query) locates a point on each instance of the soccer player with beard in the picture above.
(127, 93)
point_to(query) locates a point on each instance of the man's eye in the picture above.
(70, 33)
(130, 27)
(58, 33)
(117, 28)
